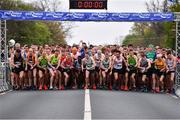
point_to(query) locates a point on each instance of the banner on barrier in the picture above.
(85, 16)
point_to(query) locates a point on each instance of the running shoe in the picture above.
(85, 87)
(100, 87)
(74, 87)
(34, 87)
(162, 91)
(94, 87)
(17, 88)
(145, 89)
(40, 87)
(65, 87)
(153, 91)
(62, 87)
(110, 87)
(114, 87)
(157, 90)
(55, 88)
(134, 89)
(170, 91)
(122, 87)
(126, 88)
(105, 87)
(45, 87)
(51, 88)
(14, 88)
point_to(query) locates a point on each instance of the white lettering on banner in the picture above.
(121, 15)
(12, 14)
(163, 15)
(145, 15)
(100, 15)
(77, 15)
(141, 15)
(54, 15)
(34, 14)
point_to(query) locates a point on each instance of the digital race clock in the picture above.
(88, 4)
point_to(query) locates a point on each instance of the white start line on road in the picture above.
(87, 106)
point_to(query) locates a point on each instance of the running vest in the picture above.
(131, 61)
(118, 63)
(105, 63)
(25, 55)
(38, 54)
(18, 60)
(62, 58)
(54, 60)
(31, 58)
(89, 64)
(43, 62)
(77, 65)
(98, 61)
(151, 55)
(144, 63)
(159, 64)
(90, 52)
(170, 64)
(67, 63)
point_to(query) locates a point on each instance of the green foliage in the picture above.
(157, 33)
(28, 32)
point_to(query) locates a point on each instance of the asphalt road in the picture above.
(42, 105)
(104, 105)
(129, 105)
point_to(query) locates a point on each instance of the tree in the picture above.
(28, 32)
(58, 29)
(157, 33)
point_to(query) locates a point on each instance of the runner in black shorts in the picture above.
(132, 68)
(117, 69)
(54, 72)
(89, 64)
(18, 67)
(151, 56)
(67, 66)
(143, 66)
(98, 58)
(160, 66)
(32, 68)
(171, 66)
(105, 69)
(42, 70)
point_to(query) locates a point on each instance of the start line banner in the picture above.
(85, 16)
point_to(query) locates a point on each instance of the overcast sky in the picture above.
(104, 32)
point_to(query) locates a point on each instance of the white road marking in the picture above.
(87, 106)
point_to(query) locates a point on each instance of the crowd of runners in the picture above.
(112, 67)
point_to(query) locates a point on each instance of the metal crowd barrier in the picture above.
(5, 83)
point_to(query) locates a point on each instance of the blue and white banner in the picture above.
(172, 0)
(85, 16)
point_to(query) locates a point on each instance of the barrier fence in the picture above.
(4, 79)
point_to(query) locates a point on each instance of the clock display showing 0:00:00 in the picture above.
(96, 5)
